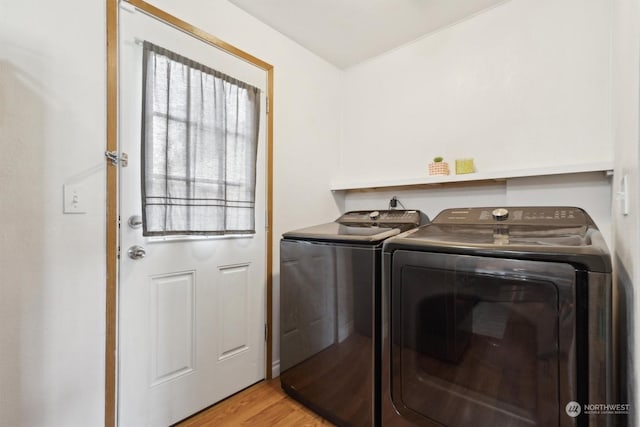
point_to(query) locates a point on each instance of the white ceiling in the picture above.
(346, 32)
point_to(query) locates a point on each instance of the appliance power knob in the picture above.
(500, 214)
(374, 215)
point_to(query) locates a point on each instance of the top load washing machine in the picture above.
(497, 317)
(328, 275)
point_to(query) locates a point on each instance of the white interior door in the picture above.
(192, 311)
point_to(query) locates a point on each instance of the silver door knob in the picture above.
(135, 221)
(136, 252)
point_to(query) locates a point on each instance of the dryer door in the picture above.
(481, 341)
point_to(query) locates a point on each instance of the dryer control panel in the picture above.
(527, 215)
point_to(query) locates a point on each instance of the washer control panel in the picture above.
(395, 218)
(545, 215)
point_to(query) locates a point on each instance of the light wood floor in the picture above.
(264, 404)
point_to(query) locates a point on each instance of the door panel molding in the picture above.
(233, 312)
(173, 311)
(112, 220)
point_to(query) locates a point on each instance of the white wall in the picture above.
(52, 132)
(522, 85)
(626, 133)
(52, 266)
(526, 84)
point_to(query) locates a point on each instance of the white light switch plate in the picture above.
(623, 195)
(74, 199)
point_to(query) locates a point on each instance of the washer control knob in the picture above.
(374, 215)
(500, 214)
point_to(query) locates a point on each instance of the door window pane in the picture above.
(199, 148)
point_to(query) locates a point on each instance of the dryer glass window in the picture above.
(481, 341)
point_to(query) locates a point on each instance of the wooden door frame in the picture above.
(112, 186)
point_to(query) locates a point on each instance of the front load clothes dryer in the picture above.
(497, 317)
(328, 276)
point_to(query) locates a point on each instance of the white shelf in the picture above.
(606, 167)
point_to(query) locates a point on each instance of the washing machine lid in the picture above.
(367, 227)
(561, 234)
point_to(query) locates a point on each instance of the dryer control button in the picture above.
(500, 214)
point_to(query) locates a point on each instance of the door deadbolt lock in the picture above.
(136, 252)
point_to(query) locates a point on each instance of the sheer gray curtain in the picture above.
(199, 147)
